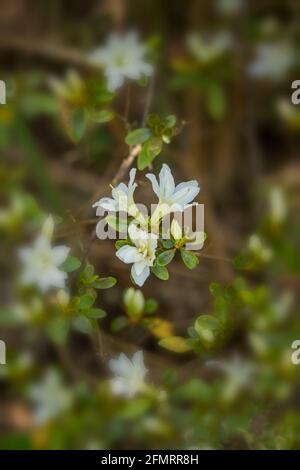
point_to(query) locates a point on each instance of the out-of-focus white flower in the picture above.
(278, 205)
(122, 57)
(129, 375)
(41, 261)
(142, 254)
(171, 198)
(273, 60)
(122, 198)
(50, 397)
(239, 374)
(259, 248)
(206, 49)
(229, 7)
(134, 302)
(71, 88)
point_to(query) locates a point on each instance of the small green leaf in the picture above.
(189, 259)
(120, 243)
(149, 151)
(58, 329)
(215, 289)
(96, 313)
(82, 324)
(176, 344)
(150, 306)
(138, 136)
(168, 244)
(86, 301)
(101, 116)
(161, 272)
(216, 101)
(170, 121)
(77, 124)
(71, 264)
(165, 257)
(105, 283)
(153, 120)
(243, 262)
(119, 323)
(208, 329)
(89, 271)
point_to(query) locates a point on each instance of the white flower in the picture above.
(142, 254)
(51, 398)
(278, 205)
(171, 198)
(273, 60)
(239, 375)
(41, 261)
(259, 248)
(122, 57)
(122, 198)
(209, 48)
(129, 374)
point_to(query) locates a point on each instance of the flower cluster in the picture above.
(148, 245)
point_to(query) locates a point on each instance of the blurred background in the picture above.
(224, 68)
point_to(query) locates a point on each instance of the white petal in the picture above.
(139, 267)
(60, 254)
(185, 192)
(138, 362)
(132, 174)
(166, 182)
(107, 203)
(154, 182)
(140, 279)
(128, 254)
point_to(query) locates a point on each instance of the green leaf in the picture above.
(153, 120)
(215, 289)
(189, 259)
(243, 262)
(86, 301)
(170, 121)
(119, 323)
(71, 264)
(161, 272)
(105, 283)
(150, 306)
(96, 313)
(77, 124)
(101, 116)
(168, 244)
(208, 329)
(165, 257)
(58, 329)
(82, 324)
(120, 243)
(176, 344)
(138, 136)
(215, 101)
(149, 151)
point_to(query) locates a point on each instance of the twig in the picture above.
(126, 164)
(55, 52)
